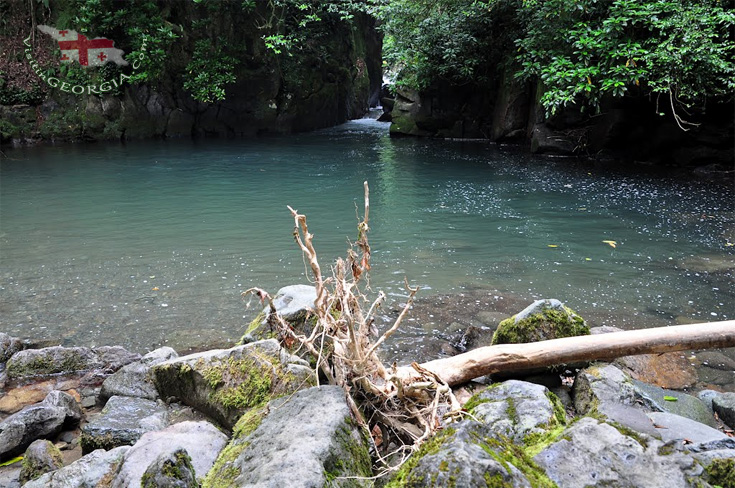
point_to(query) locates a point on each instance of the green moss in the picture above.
(214, 376)
(405, 477)
(251, 383)
(224, 471)
(538, 441)
(477, 399)
(507, 453)
(252, 326)
(496, 481)
(721, 472)
(560, 413)
(32, 467)
(511, 409)
(444, 466)
(352, 456)
(551, 324)
(249, 421)
(626, 431)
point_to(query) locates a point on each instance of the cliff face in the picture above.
(327, 77)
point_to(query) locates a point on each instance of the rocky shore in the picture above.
(253, 415)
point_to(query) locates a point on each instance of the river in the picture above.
(151, 243)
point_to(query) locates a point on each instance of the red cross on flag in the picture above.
(87, 52)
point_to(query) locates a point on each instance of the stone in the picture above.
(307, 439)
(133, 380)
(545, 140)
(122, 422)
(95, 469)
(225, 383)
(604, 389)
(675, 427)
(661, 400)
(201, 441)
(514, 409)
(593, 453)
(31, 363)
(41, 457)
(9, 346)
(707, 396)
(294, 303)
(172, 470)
(667, 370)
(716, 360)
(724, 406)
(540, 321)
(115, 357)
(38, 421)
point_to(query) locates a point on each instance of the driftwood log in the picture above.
(462, 368)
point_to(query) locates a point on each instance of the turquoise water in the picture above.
(151, 243)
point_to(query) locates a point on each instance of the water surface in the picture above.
(151, 243)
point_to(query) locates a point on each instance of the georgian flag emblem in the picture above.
(87, 52)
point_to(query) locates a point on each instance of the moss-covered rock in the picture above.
(41, 457)
(170, 470)
(541, 321)
(226, 383)
(721, 472)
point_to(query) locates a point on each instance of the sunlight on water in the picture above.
(150, 244)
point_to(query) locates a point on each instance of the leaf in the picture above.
(612, 244)
(11, 461)
(671, 398)
(552, 245)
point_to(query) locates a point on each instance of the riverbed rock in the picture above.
(32, 363)
(43, 420)
(295, 303)
(122, 422)
(41, 457)
(9, 346)
(94, 469)
(667, 370)
(170, 470)
(540, 321)
(200, 441)
(675, 427)
(662, 400)
(133, 379)
(724, 406)
(594, 453)
(307, 439)
(225, 383)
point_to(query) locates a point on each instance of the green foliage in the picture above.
(208, 72)
(583, 50)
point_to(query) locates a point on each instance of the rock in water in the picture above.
(540, 321)
(41, 457)
(307, 440)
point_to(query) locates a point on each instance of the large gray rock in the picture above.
(32, 363)
(307, 440)
(40, 458)
(9, 346)
(724, 406)
(515, 409)
(122, 422)
(90, 471)
(675, 427)
(606, 390)
(39, 421)
(201, 441)
(294, 302)
(659, 399)
(540, 321)
(133, 379)
(592, 453)
(225, 383)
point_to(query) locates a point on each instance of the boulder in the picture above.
(9, 346)
(225, 383)
(95, 469)
(674, 427)
(661, 400)
(294, 303)
(200, 441)
(133, 380)
(540, 321)
(545, 140)
(667, 370)
(307, 439)
(122, 422)
(170, 470)
(594, 453)
(724, 406)
(43, 420)
(41, 457)
(47, 361)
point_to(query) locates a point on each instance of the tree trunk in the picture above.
(462, 368)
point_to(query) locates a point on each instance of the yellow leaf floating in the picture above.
(155, 288)
(612, 244)
(11, 461)
(552, 245)
(588, 259)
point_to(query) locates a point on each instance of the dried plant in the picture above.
(394, 406)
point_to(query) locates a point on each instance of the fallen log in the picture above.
(464, 367)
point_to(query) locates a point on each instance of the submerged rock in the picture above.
(122, 422)
(225, 383)
(305, 440)
(540, 321)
